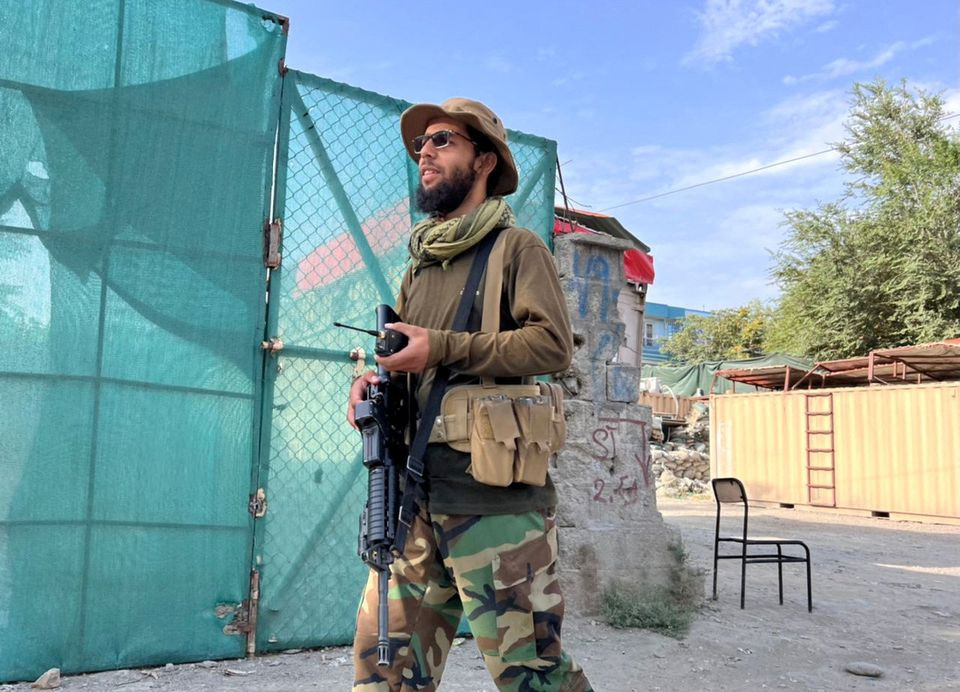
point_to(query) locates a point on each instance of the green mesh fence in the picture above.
(136, 152)
(137, 147)
(347, 216)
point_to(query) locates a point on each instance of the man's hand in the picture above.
(358, 392)
(413, 356)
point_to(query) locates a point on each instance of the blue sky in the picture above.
(646, 97)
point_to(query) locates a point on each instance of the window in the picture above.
(648, 339)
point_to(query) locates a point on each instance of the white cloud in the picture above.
(498, 63)
(828, 25)
(729, 24)
(843, 67)
(795, 128)
(951, 101)
(544, 54)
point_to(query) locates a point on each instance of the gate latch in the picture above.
(258, 504)
(358, 355)
(272, 236)
(274, 345)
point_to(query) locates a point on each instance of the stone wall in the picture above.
(611, 531)
(681, 465)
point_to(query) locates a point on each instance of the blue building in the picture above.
(660, 322)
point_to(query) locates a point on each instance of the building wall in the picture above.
(630, 308)
(661, 321)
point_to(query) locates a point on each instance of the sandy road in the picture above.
(885, 593)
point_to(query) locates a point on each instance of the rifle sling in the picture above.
(413, 486)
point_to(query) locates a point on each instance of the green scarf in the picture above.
(433, 240)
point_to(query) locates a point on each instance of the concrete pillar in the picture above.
(611, 531)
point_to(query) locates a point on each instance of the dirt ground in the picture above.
(885, 593)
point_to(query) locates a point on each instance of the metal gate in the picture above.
(136, 160)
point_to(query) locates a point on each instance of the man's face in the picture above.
(447, 174)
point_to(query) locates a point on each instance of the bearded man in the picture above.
(485, 551)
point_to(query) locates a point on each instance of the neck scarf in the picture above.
(433, 240)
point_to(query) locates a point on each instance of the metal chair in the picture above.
(731, 490)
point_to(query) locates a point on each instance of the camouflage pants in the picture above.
(498, 570)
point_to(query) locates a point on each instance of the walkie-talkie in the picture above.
(389, 341)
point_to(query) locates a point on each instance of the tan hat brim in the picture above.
(415, 119)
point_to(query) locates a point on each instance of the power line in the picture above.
(720, 180)
(738, 175)
(581, 205)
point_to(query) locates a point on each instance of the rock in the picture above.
(667, 478)
(235, 671)
(867, 670)
(48, 681)
(207, 664)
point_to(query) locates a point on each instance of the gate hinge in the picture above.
(258, 503)
(274, 345)
(272, 237)
(244, 620)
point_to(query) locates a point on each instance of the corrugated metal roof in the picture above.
(938, 361)
(602, 223)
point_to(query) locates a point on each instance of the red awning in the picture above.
(637, 265)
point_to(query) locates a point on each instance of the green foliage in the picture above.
(729, 334)
(668, 611)
(880, 267)
(654, 610)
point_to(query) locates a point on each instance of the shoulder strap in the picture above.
(492, 295)
(413, 488)
(493, 288)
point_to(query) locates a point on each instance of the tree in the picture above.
(880, 267)
(729, 334)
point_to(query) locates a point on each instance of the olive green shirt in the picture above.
(534, 339)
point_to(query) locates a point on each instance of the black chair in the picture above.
(730, 490)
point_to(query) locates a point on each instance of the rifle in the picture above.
(383, 418)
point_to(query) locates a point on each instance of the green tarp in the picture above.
(136, 157)
(686, 380)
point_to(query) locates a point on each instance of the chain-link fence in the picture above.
(347, 215)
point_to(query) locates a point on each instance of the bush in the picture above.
(668, 611)
(655, 610)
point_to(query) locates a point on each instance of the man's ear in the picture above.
(485, 163)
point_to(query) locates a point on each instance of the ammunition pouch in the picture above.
(510, 431)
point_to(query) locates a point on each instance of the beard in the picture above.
(446, 195)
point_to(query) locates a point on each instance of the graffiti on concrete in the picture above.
(626, 490)
(595, 275)
(606, 438)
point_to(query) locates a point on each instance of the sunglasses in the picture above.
(440, 139)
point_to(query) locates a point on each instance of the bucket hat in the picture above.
(414, 121)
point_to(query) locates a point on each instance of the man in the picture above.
(478, 550)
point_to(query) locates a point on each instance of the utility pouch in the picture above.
(533, 449)
(553, 393)
(493, 441)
